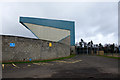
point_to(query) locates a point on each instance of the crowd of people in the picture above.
(84, 47)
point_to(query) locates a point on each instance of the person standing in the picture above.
(119, 49)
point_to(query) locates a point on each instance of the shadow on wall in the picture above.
(72, 50)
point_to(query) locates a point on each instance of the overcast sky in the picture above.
(97, 21)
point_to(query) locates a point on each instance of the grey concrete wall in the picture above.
(26, 48)
(66, 41)
(72, 50)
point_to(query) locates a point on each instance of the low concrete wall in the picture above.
(65, 40)
(72, 50)
(26, 48)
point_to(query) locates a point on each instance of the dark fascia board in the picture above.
(61, 24)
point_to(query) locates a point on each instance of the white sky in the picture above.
(59, 0)
(97, 21)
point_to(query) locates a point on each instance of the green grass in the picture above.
(109, 56)
(41, 60)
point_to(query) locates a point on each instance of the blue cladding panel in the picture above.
(61, 24)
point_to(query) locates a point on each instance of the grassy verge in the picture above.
(42, 60)
(109, 56)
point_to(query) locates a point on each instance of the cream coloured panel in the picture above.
(48, 33)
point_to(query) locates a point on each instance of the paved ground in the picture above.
(80, 66)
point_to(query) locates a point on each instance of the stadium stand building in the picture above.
(55, 38)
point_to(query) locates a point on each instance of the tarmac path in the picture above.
(80, 66)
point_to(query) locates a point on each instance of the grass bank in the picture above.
(109, 56)
(42, 60)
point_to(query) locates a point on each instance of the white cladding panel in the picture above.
(48, 33)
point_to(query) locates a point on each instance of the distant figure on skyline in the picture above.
(119, 48)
